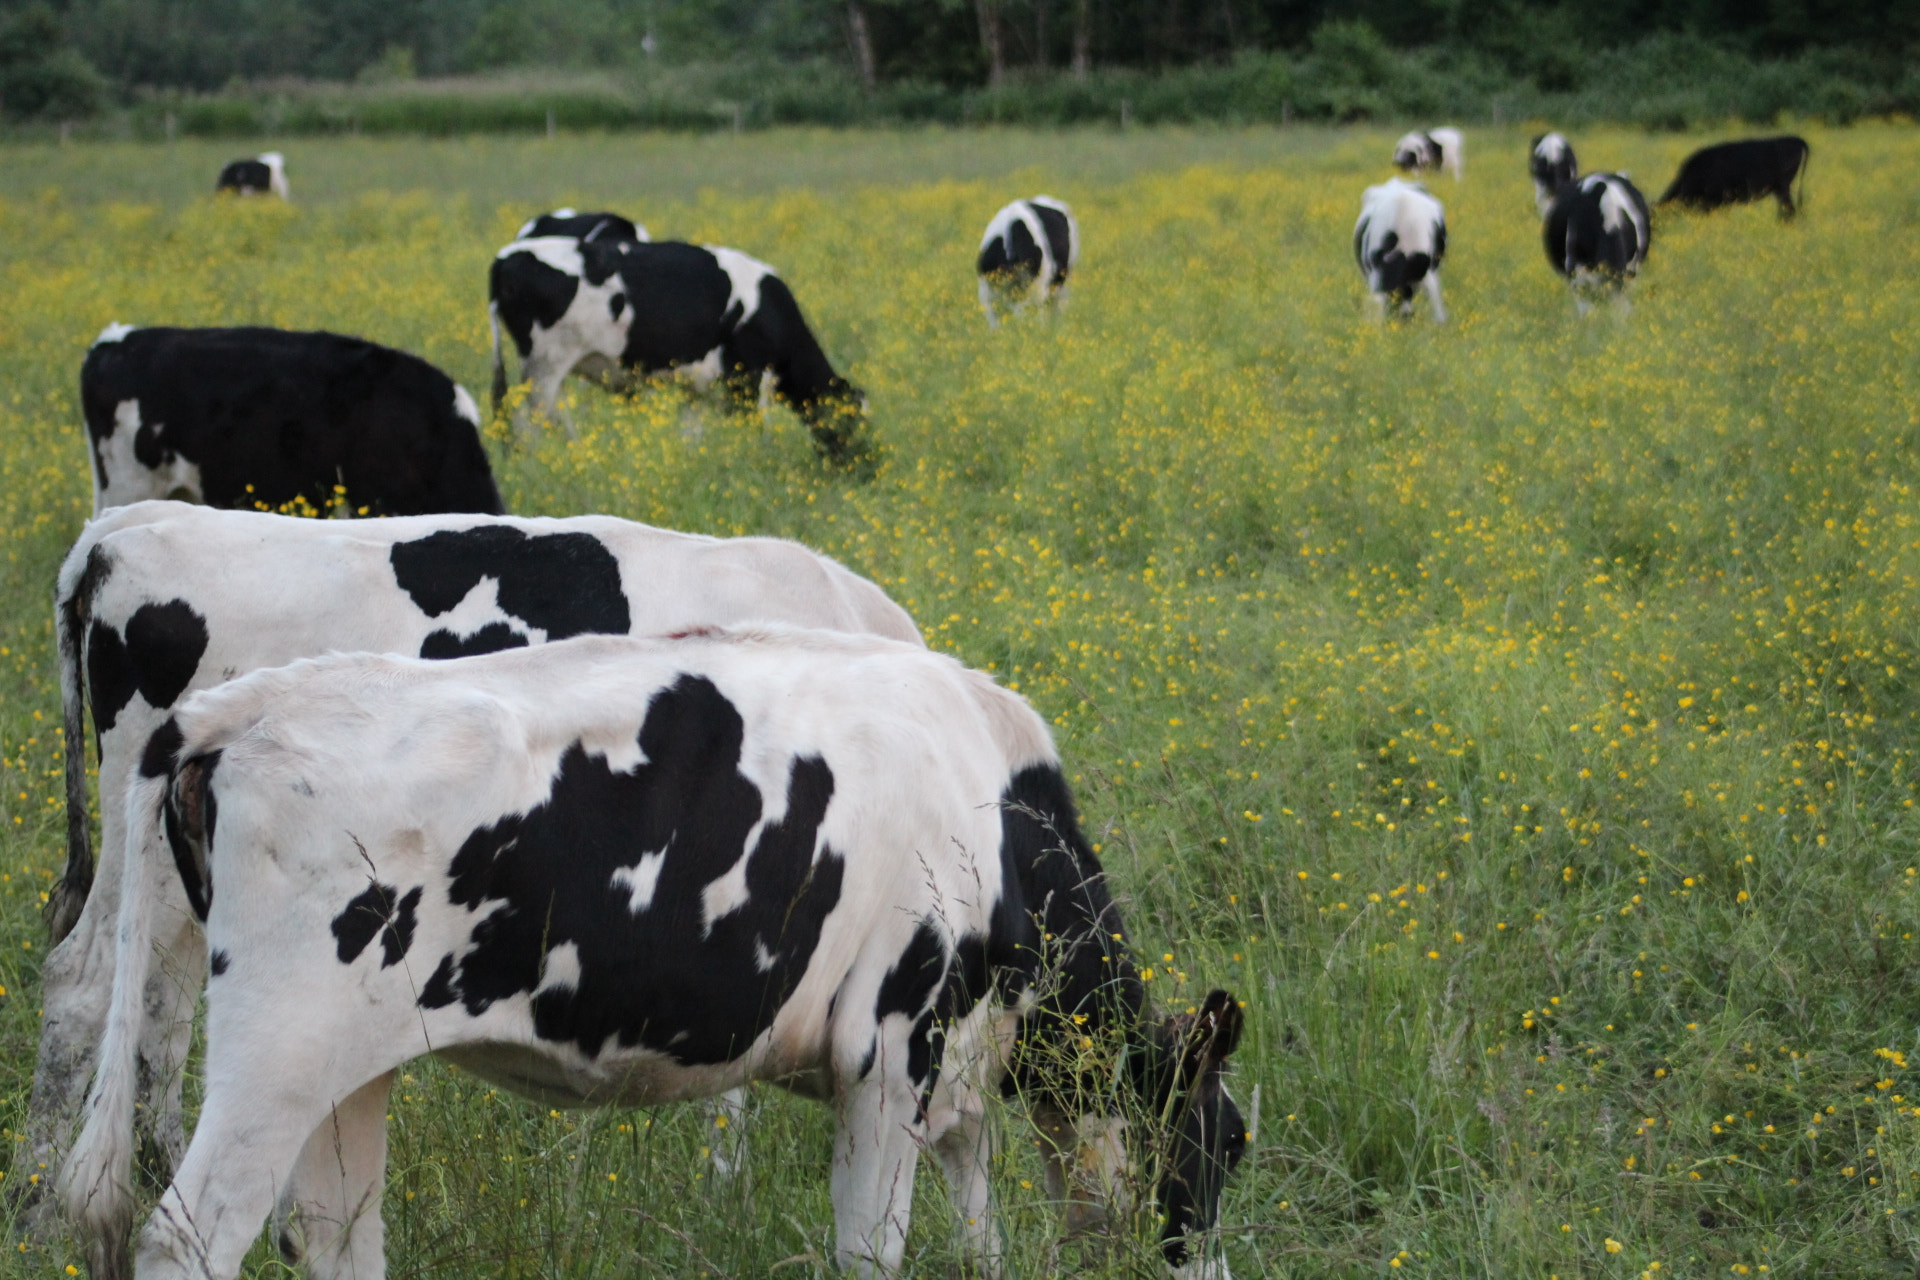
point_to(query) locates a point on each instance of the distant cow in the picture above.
(706, 313)
(1029, 250)
(618, 872)
(1434, 149)
(1399, 242)
(1597, 232)
(582, 226)
(1736, 172)
(1552, 166)
(243, 417)
(158, 599)
(263, 175)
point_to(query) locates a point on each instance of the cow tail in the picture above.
(499, 358)
(69, 893)
(95, 1183)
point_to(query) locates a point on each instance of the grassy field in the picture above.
(1518, 714)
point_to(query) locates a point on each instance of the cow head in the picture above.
(838, 420)
(1207, 1135)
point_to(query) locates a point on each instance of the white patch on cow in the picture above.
(562, 253)
(478, 608)
(769, 772)
(703, 373)
(641, 879)
(464, 406)
(277, 173)
(763, 959)
(130, 480)
(1616, 210)
(526, 228)
(1211, 1267)
(113, 333)
(746, 274)
(560, 969)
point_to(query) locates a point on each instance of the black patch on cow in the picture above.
(617, 304)
(375, 910)
(663, 977)
(250, 177)
(565, 584)
(491, 638)
(218, 962)
(158, 658)
(1059, 233)
(525, 291)
(163, 748)
(582, 226)
(1014, 254)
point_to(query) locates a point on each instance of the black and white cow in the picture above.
(582, 226)
(1026, 255)
(1552, 165)
(238, 417)
(265, 174)
(1597, 233)
(618, 872)
(1736, 172)
(1399, 242)
(162, 598)
(609, 307)
(1434, 149)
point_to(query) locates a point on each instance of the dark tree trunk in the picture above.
(860, 36)
(990, 40)
(1040, 34)
(1082, 38)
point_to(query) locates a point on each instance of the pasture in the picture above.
(1518, 714)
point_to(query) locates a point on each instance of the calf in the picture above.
(1551, 165)
(612, 872)
(1736, 172)
(260, 176)
(1434, 149)
(1597, 233)
(1029, 250)
(159, 599)
(708, 314)
(244, 417)
(582, 226)
(1399, 242)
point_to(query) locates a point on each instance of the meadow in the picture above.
(1517, 714)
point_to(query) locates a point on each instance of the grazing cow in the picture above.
(1399, 242)
(1736, 172)
(159, 599)
(618, 872)
(1597, 234)
(582, 226)
(239, 417)
(263, 175)
(1029, 250)
(706, 313)
(1434, 149)
(1551, 165)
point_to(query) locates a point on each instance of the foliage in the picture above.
(1518, 714)
(40, 76)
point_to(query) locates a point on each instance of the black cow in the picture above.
(251, 417)
(702, 312)
(1597, 232)
(264, 175)
(582, 226)
(1736, 172)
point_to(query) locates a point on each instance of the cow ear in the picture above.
(1212, 1034)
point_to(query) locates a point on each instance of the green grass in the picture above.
(1517, 714)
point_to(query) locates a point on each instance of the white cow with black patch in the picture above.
(581, 226)
(1552, 165)
(265, 174)
(1597, 233)
(1423, 152)
(162, 598)
(266, 417)
(617, 872)
(1399, 242)
(613, 308)
(1029, 250)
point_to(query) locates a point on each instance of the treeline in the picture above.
(376, 65)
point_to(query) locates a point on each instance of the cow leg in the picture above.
(1378, 308)
(965, 1151)
(546, 374)
(986, 303)
(174, 983)
(1432, 285)
(730, 1141)
(874, 1150)
(329, 1212)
